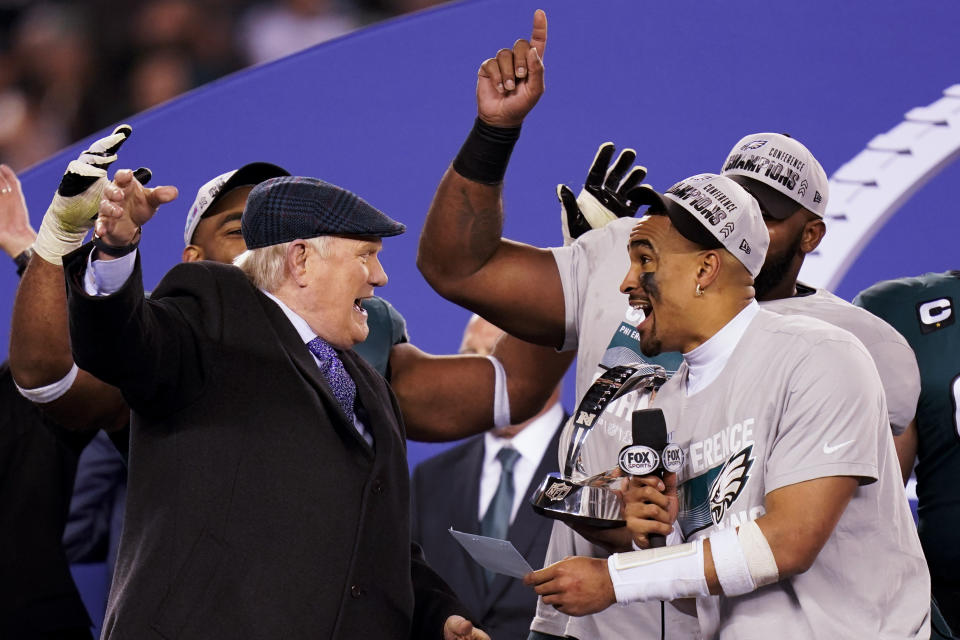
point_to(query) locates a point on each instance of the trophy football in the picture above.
(577, 496)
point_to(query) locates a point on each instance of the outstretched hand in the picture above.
(459, 628)
(16, 234)
(509, 85)
(126, 206)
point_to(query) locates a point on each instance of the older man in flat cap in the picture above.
(268, 489)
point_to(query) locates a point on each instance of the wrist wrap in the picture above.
(485, 153)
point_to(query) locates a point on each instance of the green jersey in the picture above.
(924, 309)
(387, 328)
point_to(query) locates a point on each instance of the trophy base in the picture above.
(575, 503)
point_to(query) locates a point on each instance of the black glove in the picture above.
(606, 195)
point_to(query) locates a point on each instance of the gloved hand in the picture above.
(606, 195)
(73, 210)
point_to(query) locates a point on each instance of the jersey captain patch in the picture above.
(935, 314)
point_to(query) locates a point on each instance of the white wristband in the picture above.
(501, 399)
(730, 563)
(666, 573)
(49, 393)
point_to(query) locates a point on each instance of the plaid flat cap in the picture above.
(290, 207)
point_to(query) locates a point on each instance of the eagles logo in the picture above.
(730, 482)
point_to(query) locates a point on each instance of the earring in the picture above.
(699, 291)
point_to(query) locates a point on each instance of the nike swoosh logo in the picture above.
(827, 449)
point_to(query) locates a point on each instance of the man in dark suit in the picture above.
(462, 488)
(268, 494)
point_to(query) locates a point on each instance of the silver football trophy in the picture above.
(575, 495)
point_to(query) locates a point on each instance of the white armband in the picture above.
(759, 555)
(666, 573)
(49, 393)
(501, 399)
(743, 560)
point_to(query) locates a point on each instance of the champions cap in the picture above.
(247, 175)
(783, 174)
(292, 207)
(714, 212)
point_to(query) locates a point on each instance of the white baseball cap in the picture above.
(776, 166)
(247, 175)
(714, 212)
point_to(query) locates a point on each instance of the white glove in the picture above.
(73, 210)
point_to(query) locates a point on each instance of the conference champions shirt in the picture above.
(895, 360)
(799, 399)
(601, 326)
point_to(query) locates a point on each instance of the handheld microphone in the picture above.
(645, 455)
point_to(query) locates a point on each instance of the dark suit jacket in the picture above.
(445, 493)
(254, 508)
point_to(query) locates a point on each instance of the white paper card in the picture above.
(499, 556)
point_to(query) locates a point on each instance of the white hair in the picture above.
(267, 266)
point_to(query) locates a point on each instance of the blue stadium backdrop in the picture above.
(383, 111)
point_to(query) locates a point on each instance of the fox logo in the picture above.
(730, 482)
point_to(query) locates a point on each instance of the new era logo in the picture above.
(726, 230)
(745, 246)
(816, 197)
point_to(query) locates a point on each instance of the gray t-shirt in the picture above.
(800, 399)
(893, 356)
(600, 325)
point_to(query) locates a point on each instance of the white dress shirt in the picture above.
(532, 444)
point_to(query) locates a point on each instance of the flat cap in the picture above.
(290, 207)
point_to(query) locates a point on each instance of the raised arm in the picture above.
(462, 254)
(40, 358)
(143, 346)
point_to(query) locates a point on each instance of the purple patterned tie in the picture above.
(343, 387)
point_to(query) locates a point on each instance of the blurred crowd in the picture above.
(69, 69)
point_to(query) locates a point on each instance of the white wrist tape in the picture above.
(759, 555)
(730, 563)
(666, 573)
(49, 393)
(53, 241)
(501, 399)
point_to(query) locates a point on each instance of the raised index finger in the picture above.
(538, 36)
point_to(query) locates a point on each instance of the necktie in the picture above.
(496, 520)
(343, 387)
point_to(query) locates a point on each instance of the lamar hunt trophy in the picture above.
(575, 496)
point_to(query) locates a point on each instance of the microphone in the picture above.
(644, 456)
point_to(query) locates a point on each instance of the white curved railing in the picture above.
(866, 191)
